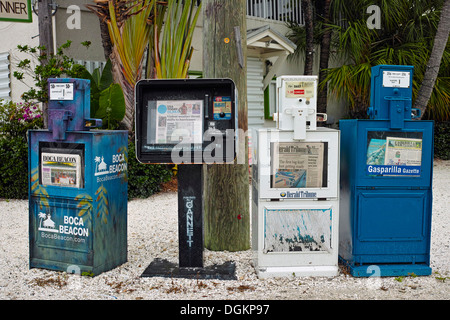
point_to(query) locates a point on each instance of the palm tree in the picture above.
(308, 9)
(432, 70)
(129, 24)
(324, 56)
(41, 216)
(97, 162)
(172, 58)
(405, 38)
(315, 32)
(135, 28)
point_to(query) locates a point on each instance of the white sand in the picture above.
(152, 233)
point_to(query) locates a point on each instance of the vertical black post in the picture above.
(190, 215)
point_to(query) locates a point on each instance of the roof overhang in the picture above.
(266, 43)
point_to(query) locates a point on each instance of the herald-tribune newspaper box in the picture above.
(386, 182)
(77, 186)
(295, 188)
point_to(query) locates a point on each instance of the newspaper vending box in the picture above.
(77, 186)
(386, 178)
(188, 122)
(295, 188)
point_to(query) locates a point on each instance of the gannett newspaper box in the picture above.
(188, 122)
(295, 187)
(77, 186)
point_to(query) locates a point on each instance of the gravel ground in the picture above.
(152, 233)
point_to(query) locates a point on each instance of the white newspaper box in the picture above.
(295, 193)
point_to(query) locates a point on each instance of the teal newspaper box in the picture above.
(77, 186)
(386, 182)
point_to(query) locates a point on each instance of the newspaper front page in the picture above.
(297, 164)
(179, 121)
(59, 169)
(403, 152)
(394, 156)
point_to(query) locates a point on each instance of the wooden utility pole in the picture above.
(226, 188)
(45, 39)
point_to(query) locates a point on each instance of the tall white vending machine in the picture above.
(295, 187)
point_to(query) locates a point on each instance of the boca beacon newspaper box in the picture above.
(386, 182)
(188, 122)
(77, 186)
(295, 187)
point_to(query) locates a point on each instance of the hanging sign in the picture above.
(15, 10)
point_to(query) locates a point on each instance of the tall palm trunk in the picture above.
(106, 40)
(324, 57)
(307, 7)
(127, 88)
(434, 62)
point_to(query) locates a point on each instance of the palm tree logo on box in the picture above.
(101, 167)
(46, 223)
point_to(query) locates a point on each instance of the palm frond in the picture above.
(172, 56)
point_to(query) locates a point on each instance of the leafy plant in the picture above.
(87, 274)
(57, 65)
(173, 57)
(15, 120)
(107, 99)
(406, 37)
(144, 179)
(129, 32)
(13, 168)
(441, 277)
(136, 27)
(442, 140)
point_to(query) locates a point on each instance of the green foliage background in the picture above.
(144, 179)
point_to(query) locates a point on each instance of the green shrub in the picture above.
(56, 65)
(442, 140)
(107, 100)
(144, 179)
(15, 120)
(13, 168)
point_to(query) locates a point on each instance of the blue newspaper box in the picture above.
(386, 182)
(77, 187)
